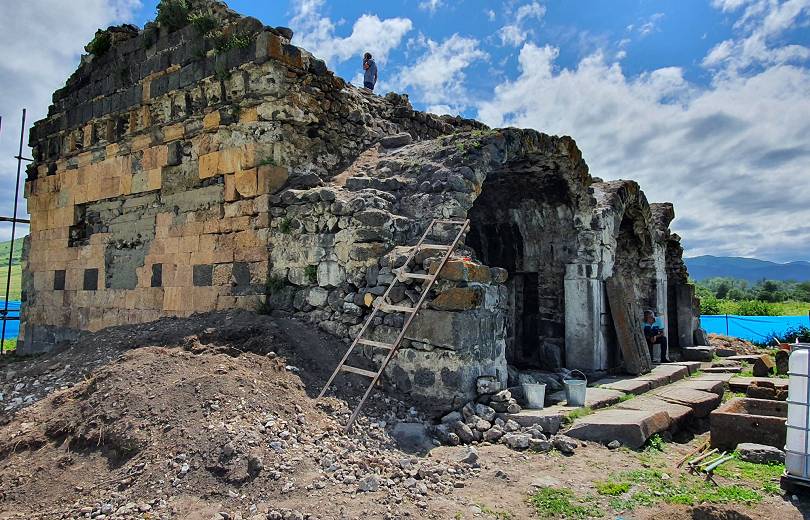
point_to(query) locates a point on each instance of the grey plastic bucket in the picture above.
(575, 390)
(535, 394)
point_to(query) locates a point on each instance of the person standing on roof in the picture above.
(370, 74)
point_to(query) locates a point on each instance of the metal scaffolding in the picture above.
(14, 220)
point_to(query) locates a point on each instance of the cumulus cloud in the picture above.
(438, 75)
(760, 25)
(516, 32)
(732, 155)
(316, 33)
(41, 42)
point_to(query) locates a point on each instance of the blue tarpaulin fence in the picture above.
(752, 328)
(12, 325)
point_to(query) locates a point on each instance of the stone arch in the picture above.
(527, 219)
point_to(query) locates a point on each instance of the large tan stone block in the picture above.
(246, 182)
(209, 165)
(173, 132)
(271, 178)
(212, 120)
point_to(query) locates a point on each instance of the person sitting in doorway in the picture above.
(370, 72)
(654, 333)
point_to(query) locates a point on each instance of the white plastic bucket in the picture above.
(535, 394)
(575, 390)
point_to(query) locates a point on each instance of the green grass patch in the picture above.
(729, 395)
(762, 476)
(649, 487)
(9, 345)
(655, 443)
(626, 397)
(563, 503)
(496, 513)
(576, 414)
(611, 488)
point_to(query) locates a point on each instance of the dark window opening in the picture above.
(157, 275)
(90, 279)
(59, 280)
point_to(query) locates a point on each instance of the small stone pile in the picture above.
(484, 420)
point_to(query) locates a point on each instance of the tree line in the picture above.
(764, 298)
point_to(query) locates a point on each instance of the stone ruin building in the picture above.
(179, 172)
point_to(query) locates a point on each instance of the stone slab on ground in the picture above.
(664, 374)
(702, 403)
(760, 453)
(722, 370)
(741, 384)
(747, 358)
(699, 353)
(707, 385)
(714, 376)
(677, 413)
(630, 385)
(549, 418)
(692, 366)
(595, 398)
(630, 427)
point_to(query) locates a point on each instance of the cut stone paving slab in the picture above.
(741, 384)
(748, 358)
(701, 353)
(677, 413)
(722, 370)
(595, 398)
(702, 403)
(706, 385)
(714, 376)
(630, 385)
(692, 366)
(665, 374)
(630, 427)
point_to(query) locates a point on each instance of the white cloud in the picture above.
(651, 25)
(490, 15)
(731, 156)
(41, 42)
(760, 26)
(438, 76)
(430, 5)
(316, 33)
(516, 32)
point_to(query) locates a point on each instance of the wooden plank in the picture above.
(626, 315)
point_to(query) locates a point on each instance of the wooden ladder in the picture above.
(381, 304)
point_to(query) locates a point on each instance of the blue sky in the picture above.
(705, 102)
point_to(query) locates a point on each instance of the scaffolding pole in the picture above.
(13, 221)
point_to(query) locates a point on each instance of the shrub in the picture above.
(799, 332)
(100, 43)
(203, 22)
(223, 43)
(173, 14)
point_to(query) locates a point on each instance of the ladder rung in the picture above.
(385, 307)
(458, 222)
(371, 343)
(361, 371)
(435, 247)
(414, 276)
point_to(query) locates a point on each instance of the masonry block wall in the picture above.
(175, 176)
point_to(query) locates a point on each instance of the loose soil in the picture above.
(214, 416)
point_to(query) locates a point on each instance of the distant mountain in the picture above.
(751, 269)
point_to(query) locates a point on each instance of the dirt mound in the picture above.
(204, 426)
(738, 345)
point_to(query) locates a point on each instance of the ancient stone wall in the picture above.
(175, 176)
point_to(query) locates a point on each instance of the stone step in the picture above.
(630, 427)
(669, 404)
(701, 353)
(629, 385)
(741, 384)
(722, 370)
(550, 418)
